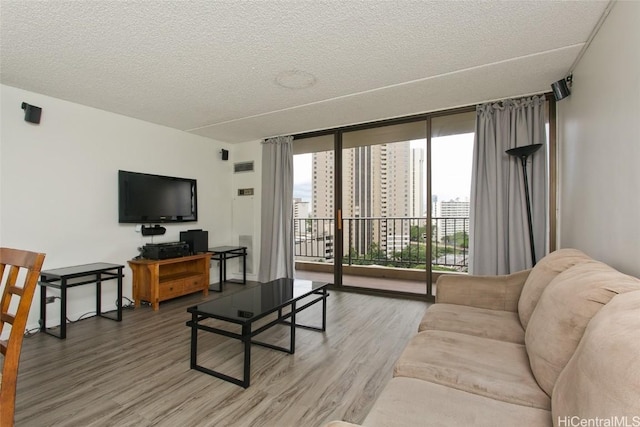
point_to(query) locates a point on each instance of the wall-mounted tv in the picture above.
(146, 198)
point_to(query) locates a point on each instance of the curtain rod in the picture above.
(399, 120)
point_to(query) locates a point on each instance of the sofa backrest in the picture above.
(541, 275)
(602, 379)
(563, 312)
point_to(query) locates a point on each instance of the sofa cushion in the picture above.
(491, 368)
(565, 307)
(602, 379)
(500, 292)
(541, 275)
(413, 402)
(496, 324)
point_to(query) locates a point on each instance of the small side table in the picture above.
(68, 277)
(222, 254)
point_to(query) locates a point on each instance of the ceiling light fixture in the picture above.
(295, 79)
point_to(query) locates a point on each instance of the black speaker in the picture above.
(31, 113)
(198, 240)
(225, 154)
(561, 88)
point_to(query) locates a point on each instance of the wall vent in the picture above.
(243, 167)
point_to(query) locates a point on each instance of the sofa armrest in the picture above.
(340, 424)
(491, 292)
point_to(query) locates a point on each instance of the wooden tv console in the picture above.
(160, 280)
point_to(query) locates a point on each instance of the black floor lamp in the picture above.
(523, 153)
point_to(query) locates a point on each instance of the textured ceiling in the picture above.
(210, 67)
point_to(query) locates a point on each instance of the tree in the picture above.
(377, 254)
(459, 239)
(410, 255)
(417, 233)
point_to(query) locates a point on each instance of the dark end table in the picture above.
(69, 277)
(222, 254)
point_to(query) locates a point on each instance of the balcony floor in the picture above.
(377, 283)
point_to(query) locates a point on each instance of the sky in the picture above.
(451, 168)
(302, 170)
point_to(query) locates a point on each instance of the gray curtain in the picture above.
(276, 242)
(499, 235)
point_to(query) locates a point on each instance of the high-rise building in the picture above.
(300, 213)
(417, 183)
(300, 208)
(382, 185)
(323, 194)
(452, 217)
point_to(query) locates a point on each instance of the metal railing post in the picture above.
(315, 242)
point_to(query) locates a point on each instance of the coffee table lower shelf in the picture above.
(241, 308)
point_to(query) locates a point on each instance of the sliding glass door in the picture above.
(384, 206)
(452, 138)
(314, 208)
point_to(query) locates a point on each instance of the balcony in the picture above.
(382, 253)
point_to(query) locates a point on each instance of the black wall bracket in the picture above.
(156, 230)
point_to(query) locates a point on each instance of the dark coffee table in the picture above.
(250, 305)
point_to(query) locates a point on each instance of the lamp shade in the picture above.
(524, 151)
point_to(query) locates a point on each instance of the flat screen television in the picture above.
(146, 198)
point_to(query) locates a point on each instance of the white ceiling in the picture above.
(210, 67)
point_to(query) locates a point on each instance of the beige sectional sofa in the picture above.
(555, 345)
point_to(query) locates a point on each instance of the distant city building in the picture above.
(301, 208)
(453, 216)
(378, 181)
(301, 213)
(323, 194)
(416, 183)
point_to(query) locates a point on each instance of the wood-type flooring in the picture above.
(136, 372)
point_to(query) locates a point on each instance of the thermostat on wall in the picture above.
(245, 191)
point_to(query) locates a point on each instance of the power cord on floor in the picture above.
(82, 317)
(128, 306)
(31, 332)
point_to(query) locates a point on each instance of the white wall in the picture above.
(246, 209)
(59, 188)
(599, 140)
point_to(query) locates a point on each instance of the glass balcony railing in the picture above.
(393, 242)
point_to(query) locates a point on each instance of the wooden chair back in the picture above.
(19, 273)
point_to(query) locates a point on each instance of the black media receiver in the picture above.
(165, 250)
